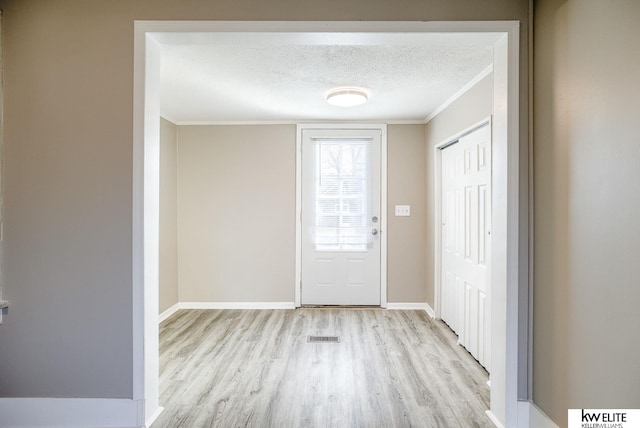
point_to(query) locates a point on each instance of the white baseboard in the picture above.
(529, 416)
(224, 305)
(493, 418)
(407, 306)
(166, 314)
(151, 419)
(412, 307)
(430, 310)
(71, 412)
(534, 416)
(236, 305)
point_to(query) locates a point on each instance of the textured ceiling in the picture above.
(272, 78)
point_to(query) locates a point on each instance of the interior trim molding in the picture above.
(530, 415)
(71, 412)
(505, 381)
(382, 127)
(430, 311)
(283, 122)
(484, 73)
(493, 419)
(151, 419)
(166, 314)
(277, 305)
(411, 306)
(236, 305)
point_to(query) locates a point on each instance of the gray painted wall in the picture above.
(407, 236)
(168, 274)
(474, 106)
(236, 211)
(587, 206)
(67, 190)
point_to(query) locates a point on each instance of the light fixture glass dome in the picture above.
(347, 96)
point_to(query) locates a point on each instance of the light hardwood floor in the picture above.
(255, 368)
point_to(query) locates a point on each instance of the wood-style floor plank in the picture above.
(255, 368)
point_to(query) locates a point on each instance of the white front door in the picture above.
(340, 242)
(466, 241)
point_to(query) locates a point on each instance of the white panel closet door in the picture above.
(466, 241)
(341, 217)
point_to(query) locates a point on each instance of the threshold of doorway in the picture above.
(340, 307)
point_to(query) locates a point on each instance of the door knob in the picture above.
(374, 232)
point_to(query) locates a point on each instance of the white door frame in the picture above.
(510, 301)
(383, 201)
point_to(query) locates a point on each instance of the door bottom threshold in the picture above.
(341, 307)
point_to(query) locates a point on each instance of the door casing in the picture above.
(511, 384)
(383, 199)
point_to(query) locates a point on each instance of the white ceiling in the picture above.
(258, 77)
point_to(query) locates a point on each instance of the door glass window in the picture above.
(342, 195)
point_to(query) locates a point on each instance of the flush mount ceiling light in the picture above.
(347, 96)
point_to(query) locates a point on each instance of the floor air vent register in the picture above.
(323, 339)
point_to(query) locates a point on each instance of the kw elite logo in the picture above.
(604, 418)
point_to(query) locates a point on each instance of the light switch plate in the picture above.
(403, 210)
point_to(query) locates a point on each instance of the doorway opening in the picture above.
(508, 359)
